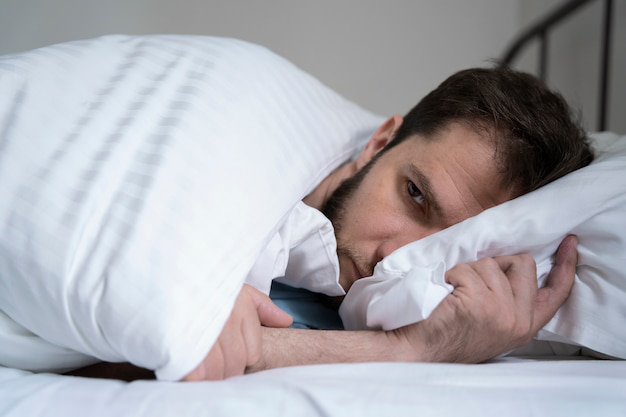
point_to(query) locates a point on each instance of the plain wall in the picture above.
(383, 54)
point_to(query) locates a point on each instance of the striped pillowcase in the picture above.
(140, 177)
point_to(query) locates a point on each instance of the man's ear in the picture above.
(383, 135)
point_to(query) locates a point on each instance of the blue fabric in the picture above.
(309, 310)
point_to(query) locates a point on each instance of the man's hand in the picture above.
(239, 344)
(494, 308)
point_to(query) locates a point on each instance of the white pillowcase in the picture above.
(140, 177)
(590, 203)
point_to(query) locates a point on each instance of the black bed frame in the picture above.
(540, 30)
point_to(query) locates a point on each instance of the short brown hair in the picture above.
(537, 139)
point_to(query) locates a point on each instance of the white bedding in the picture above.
(61, 219)
(510, 387)
(131, 205)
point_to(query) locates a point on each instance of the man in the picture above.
(481, 138)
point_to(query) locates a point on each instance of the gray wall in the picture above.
(383, 54)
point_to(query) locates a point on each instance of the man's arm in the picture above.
(494, 308)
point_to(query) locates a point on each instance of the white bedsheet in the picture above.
(508, 387)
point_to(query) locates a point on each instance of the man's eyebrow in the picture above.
(426, 189)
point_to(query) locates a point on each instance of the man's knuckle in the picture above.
(253, 357)
(489, 262)
(527, 260)
(523, 330)
(507, 326)
(458, 269)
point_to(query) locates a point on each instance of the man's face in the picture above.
(414, 189)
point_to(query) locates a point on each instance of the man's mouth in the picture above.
(359, 272)
(353, 270)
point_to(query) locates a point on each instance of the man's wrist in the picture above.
(410, 344)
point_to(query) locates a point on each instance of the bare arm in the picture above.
(495, 307)
(291, 347)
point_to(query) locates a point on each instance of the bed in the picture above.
(562, 374)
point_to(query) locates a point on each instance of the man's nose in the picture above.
(390, 245)
(384, 249)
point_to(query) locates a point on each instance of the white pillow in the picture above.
(140, 177)
(590, 203)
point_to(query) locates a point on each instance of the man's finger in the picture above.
(214, 364)
(211, 368)
(270, 315)
(558, 284)
(521, 272)
(234, 349)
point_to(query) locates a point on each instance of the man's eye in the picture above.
(415, 193)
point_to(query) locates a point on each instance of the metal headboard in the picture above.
(540, 31)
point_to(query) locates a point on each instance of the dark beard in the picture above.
(334, 208)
